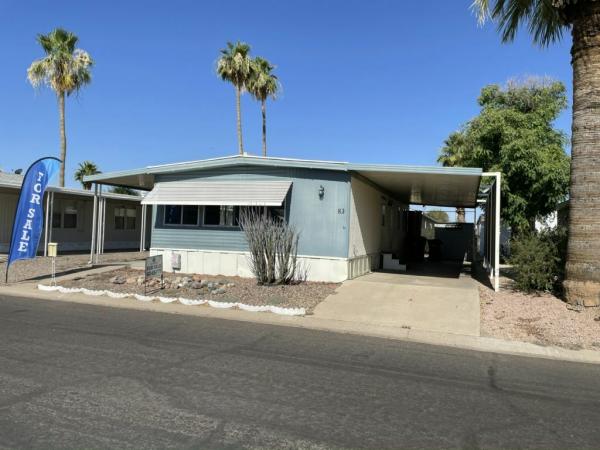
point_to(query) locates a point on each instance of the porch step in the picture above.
(389, 263)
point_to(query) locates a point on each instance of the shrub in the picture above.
(273, 246)
(538, 260)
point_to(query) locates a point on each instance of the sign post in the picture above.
(153, 268)
(52, 253)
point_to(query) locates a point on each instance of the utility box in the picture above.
(52, 249)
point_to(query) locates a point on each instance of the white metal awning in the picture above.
(242, 193)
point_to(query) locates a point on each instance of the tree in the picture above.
(86, 168)
(124, 190)
(263, 83)
(547, 20)
(438, 216)
(235, 66)
(65, 69)
(450, 157)
(513, 134)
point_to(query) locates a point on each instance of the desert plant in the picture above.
(538, 260)
(273, 246)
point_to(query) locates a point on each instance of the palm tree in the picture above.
(65, 69)
(124, 190)
(547, 20)
(235, 66)
(451, 156)
(86, 168)
(263, 83)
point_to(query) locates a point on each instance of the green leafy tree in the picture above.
(235, 66)
(547, 21)
(124, 190)
(514, 134)
(263, 83)
(65, 69)
(86, 168)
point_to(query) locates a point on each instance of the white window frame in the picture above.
(205, 225)
(125, 217)
(180, 224)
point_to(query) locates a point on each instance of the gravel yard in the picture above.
(305, 295)
(28, 269)
(542, 319)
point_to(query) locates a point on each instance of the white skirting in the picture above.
(236, 264)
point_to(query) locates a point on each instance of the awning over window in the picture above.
(242, 193)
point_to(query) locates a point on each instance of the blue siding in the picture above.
(323, 224)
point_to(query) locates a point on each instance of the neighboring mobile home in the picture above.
(71, 212)
(348, 215)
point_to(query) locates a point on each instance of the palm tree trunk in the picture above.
(63, 138)
(238, 95)
(264, 126)
(460, 215)
(582, 283)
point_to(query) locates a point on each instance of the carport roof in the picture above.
(424, 185)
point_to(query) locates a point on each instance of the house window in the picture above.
(125, 218)
(276, 212)
(67, 218)
(221, 215)
(181, 215)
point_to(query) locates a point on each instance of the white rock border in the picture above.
(184, 301)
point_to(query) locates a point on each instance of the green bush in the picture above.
(538, 260)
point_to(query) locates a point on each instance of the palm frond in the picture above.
(263, 83)
(542, 18)
(64, 68)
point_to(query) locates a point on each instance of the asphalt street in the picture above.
(80, 376)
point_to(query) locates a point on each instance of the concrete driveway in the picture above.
(443, 303)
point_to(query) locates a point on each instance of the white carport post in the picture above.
(94, 222)
(143, 229)
(102, 227)
(48, 194)
(100, 223)
(496, 264)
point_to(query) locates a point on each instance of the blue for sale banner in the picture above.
(29, 216)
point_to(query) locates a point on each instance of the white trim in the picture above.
(238, 252)
(227, 264)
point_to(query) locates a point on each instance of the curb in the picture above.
(475, 343)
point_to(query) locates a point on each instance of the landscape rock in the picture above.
(218, 291)
(196, 277)
(118, 279)
(205, 283)
(131, 280)
(140, 281)
(196, 285)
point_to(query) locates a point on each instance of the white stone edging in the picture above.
(184, 301)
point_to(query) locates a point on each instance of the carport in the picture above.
(449, 188)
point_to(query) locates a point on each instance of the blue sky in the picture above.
(363, 81)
